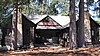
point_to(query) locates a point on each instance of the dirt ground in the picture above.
(53, 51)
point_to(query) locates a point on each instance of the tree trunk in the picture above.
(15, 24)
(19, 28)
(81, 39)
(72, 31)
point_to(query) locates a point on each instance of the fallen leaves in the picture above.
(57, 51)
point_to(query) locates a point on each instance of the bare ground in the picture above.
(53, 51)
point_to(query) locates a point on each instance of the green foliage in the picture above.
(4, 16)
(95, 7)
(46, 7)
(31, 6)
(5, 21)
(89, 2)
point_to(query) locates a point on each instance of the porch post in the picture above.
(34, 34)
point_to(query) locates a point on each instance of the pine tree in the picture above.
(72, 33)
(81, 39)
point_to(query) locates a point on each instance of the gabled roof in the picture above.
(35, 18)
(48, 21)
(62, 21)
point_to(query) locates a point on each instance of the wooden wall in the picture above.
(26, 25)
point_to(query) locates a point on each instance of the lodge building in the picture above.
(54, 30)
(50, 30)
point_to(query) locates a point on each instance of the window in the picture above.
(92, 32)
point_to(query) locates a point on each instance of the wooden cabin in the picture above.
(94, 31)
(48, 30)
(54, 30)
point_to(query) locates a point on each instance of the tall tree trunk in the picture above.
(72, 32)
(19, 28)
(16, 6)
(81, 39)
